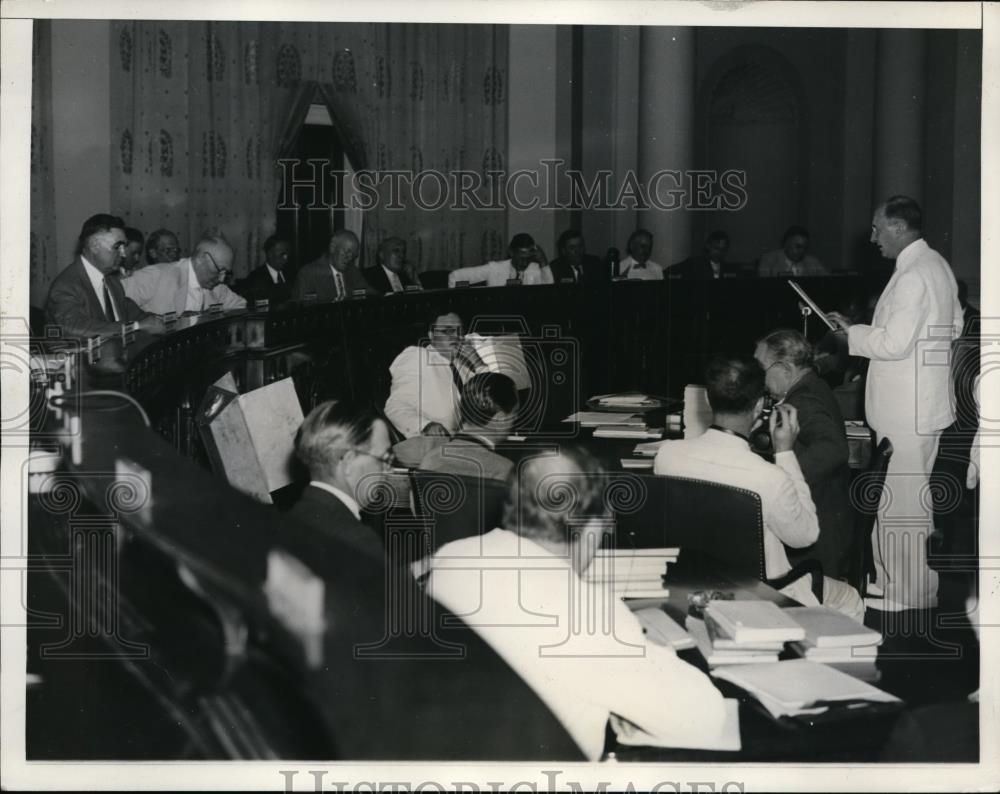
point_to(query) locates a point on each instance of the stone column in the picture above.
(898, 156)
(666, 134)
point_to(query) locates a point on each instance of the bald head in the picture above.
(212, 260)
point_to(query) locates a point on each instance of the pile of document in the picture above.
(632, 573)
(611, 424)
(661, 629)
(799, 686)
(836, 640)
(743, 632)
(631, 400)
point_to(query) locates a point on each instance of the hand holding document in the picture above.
(812, 305)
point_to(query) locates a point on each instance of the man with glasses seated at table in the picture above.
(346, 450)
(427, 380)
(488, 410)
(191, 285)
(722, 454)
(574, 642)
(162, 246)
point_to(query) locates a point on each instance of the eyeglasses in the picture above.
(223, 272)
(447, 330)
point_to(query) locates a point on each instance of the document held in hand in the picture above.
(812, 305)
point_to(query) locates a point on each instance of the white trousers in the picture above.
(905, 520)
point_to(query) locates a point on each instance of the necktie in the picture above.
(109, 305)
(455, 377)
(281, 277)
(577, 273)
(340, 284)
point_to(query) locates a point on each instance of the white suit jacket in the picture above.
(495, 274)
(163, 288)
(909, 385)
(422, 391)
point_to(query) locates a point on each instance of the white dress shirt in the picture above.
(496, 274)
(423, 390)
(525, 601)
(349, 502)
(195, 294)
(394, 282)
(97, 282)
(631, 269)
(276, 275)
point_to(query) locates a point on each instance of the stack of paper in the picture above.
(648, 449)
(596, 418)
(753, 622)
(798, 686)
(857, 429)
(625, 400)
(833, 638)
(623, 431)
(631, 573)
(720, 654)
(661, 629)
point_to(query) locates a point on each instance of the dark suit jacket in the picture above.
(316, 277)
(74, 306)
(258, 286)
(821, 450)
(321, 529)
(379, 281)
(594, 270)
(700, 267)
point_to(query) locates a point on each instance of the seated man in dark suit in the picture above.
(392, 273)
(269, 281)
(86, 299)
(793, 258)
(820, 448)
(711, 264)
(346, 450)
(335, 274)
(487, 410)
(574, 264)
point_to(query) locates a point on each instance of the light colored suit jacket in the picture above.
(163, 288)
(495, 274)
(909, 387)
(422, 391)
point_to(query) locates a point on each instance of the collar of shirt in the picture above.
(394, 280)
(911, 253)
(347, 499)
(273, 273)
(722, 438)
(96, 278)
(195, 292)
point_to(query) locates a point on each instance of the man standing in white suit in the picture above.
(909, 397)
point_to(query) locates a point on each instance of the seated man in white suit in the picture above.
(427, 381)
(191, 285)
(722, 454)
(574, 642)
(527, 265)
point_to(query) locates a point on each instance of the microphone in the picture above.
(613, 257)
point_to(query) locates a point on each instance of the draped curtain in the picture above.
(201, 112)
(43, 266)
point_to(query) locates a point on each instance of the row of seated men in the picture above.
(107, 247)
(454, 413)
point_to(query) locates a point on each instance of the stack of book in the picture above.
(606, 419)
(798, 687)
(628, 431)
(836, 640)
(632, 400)
(743, 632)
(631, 573)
